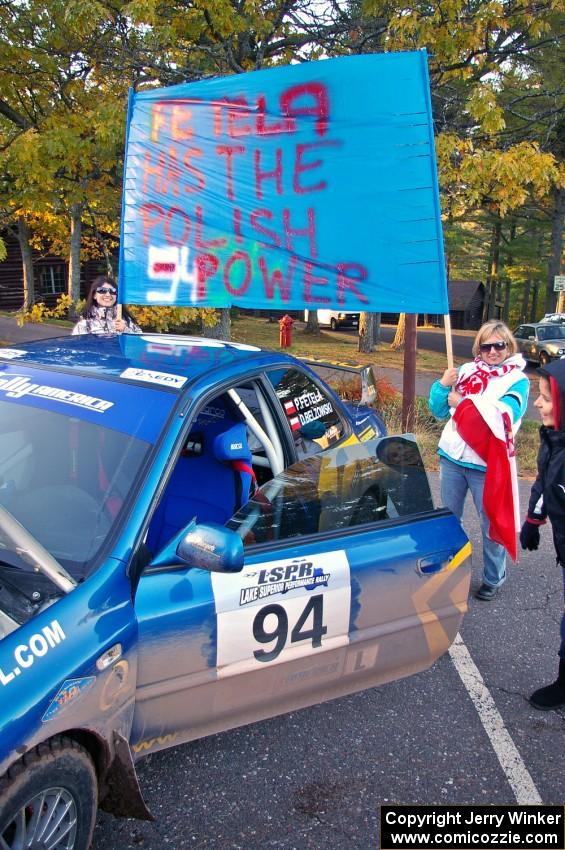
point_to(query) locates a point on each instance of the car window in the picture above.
(520, 332)
(309, 410)
(552, 332)
(232, 446)
(342, 488)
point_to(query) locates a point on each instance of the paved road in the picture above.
(314, 779)
(433, 339)
(10, 332)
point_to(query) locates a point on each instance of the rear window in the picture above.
(309, 411)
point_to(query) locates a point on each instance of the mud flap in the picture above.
(122, 795)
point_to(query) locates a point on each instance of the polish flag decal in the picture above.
(294, 423)
(289, 408)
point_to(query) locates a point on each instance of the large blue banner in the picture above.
(310, 185)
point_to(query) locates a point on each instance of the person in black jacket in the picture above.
(547, 499)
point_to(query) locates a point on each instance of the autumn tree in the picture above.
(497, 95)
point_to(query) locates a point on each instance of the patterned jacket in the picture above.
(102, 320)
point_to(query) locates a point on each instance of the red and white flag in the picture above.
(488, 431)
(289, 408)
(294, 423)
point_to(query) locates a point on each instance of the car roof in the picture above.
(141, 358)
(540, 325)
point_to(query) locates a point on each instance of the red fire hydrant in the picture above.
(285, 331)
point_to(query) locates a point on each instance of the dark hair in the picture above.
(102, 280)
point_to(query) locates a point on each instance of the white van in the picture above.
(335, 319)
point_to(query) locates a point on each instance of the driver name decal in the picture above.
(280, 610)
(16, 386)
(307, 407)
(37, 647)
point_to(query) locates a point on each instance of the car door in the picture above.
(351, 578)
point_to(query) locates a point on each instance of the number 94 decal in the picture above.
(300, 618)
(314, 607)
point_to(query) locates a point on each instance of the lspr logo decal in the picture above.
(295, 575)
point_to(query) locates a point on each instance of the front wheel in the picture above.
(48, 799)
(544, 358)
(333, 325)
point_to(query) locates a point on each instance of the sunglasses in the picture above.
(106, 290)
(498, 346)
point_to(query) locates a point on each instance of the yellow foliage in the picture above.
(40, 311)
(162, 319)
(483, 107)
(501, 179)
(37, 314)
(62, 307)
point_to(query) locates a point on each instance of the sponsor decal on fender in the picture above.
(67, 693)
(38, 645)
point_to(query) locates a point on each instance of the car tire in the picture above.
(333, 325)
(544, 358)
(54, 785)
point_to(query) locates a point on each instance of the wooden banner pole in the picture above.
(448, 340)
(409, 373)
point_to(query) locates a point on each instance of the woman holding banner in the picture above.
(485, 401)
(100, 315)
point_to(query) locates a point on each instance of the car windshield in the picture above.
(64, 480)
(551, 332)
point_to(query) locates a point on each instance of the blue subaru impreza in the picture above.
(194, 535)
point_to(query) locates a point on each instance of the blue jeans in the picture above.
(455, 480)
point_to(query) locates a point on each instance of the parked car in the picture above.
(557, 318)
(336, 320)
(195, 535)
(541, 342)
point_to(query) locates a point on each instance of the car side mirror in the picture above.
(212, 547)
(206, 546)
(531, 337)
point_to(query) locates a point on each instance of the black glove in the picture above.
(529, 536)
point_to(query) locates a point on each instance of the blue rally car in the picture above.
(194, 535)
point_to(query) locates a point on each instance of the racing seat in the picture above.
(211, 480)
